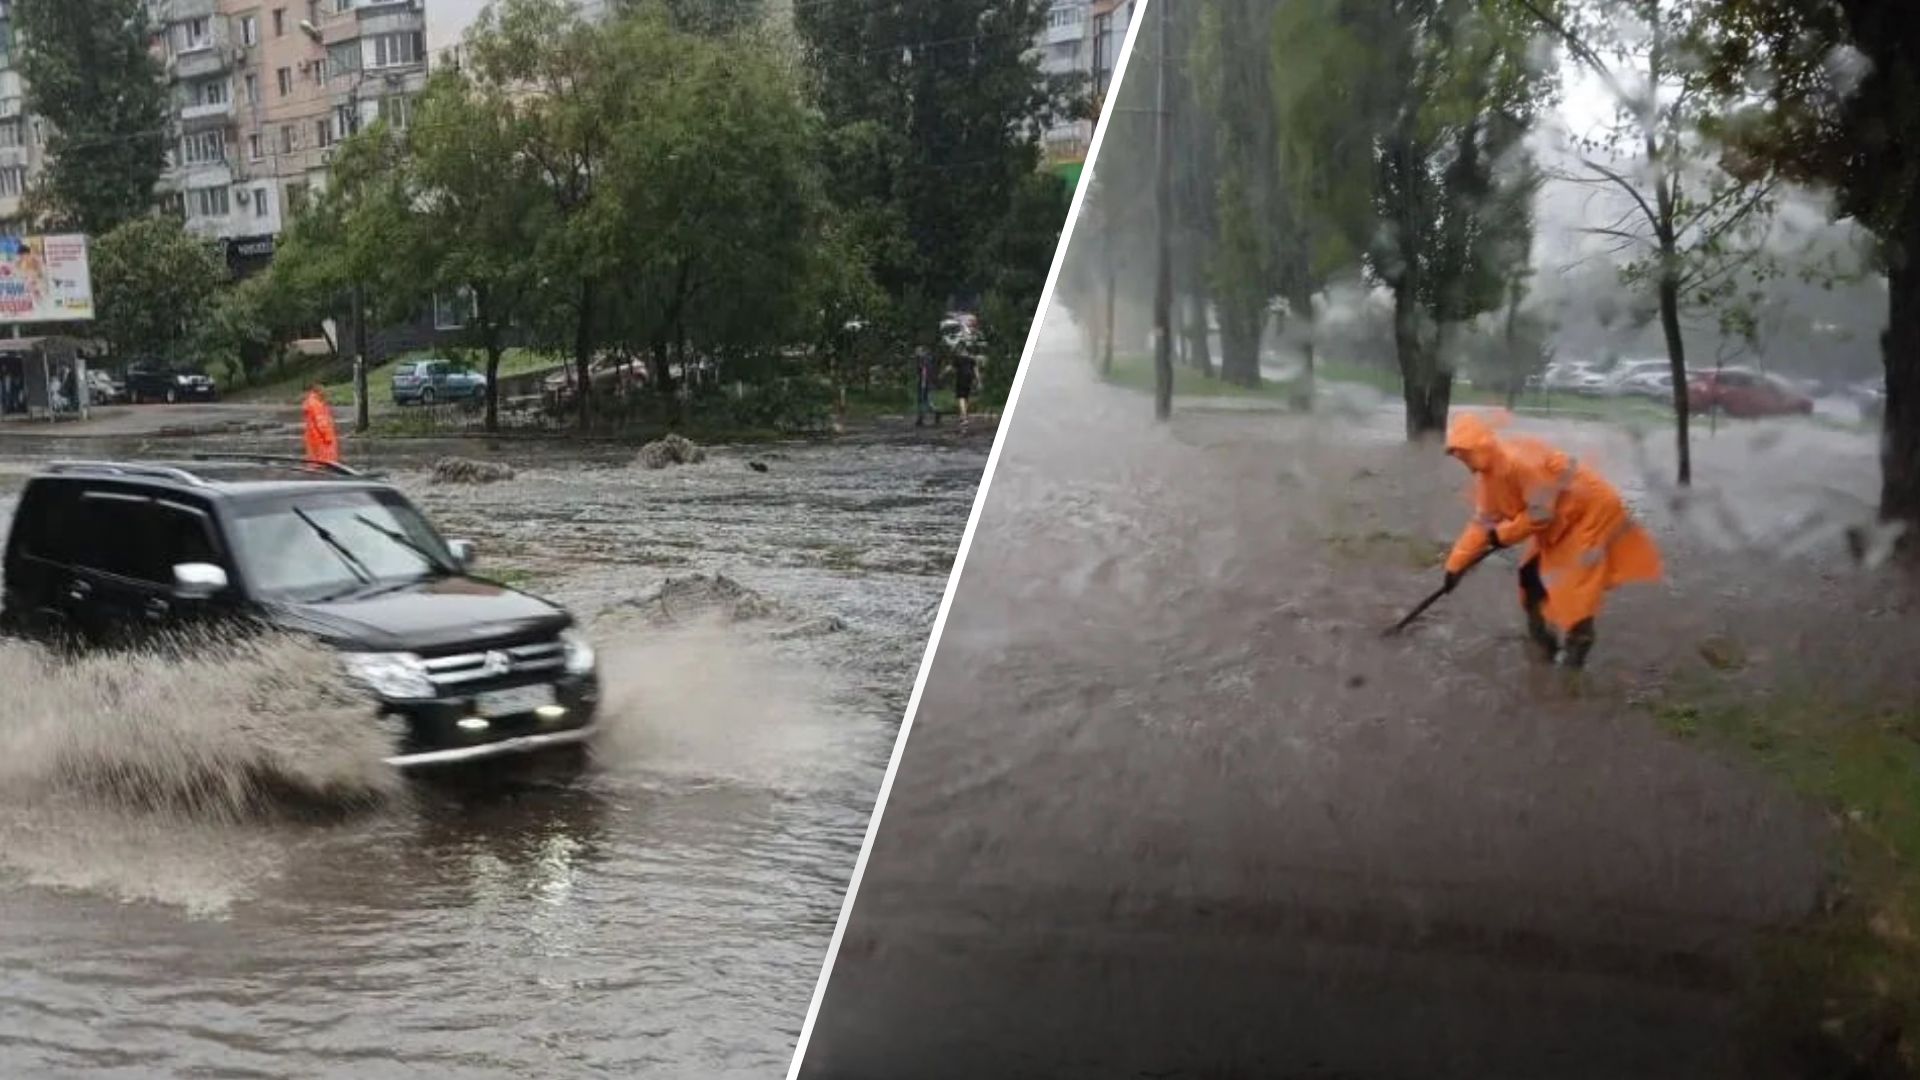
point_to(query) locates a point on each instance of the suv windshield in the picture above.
(329, 544)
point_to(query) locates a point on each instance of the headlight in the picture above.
(580, 658)
(395, 676)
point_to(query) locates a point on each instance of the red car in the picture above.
(1745, 394)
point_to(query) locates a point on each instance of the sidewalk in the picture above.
(158, 421)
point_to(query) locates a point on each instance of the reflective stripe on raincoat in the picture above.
(1586, 540)
(322, 444)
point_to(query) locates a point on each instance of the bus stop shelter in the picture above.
(44, 378)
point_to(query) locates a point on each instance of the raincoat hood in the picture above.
(1472, 440)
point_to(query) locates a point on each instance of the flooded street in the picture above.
(661, 910)
(1172, 807)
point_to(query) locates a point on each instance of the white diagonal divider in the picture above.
(966, 539)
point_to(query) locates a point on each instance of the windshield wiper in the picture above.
(407, 542)
(352, 561)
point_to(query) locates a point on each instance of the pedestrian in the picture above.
(323, 446)
(964, 369)
(1582, 541)
(927, 372)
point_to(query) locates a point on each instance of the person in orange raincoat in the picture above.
(1582, 541)
(322, 444)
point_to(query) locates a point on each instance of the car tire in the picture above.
(426, 398)
(173, 397)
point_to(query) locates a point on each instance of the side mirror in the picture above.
(462, 551)
(198, 581)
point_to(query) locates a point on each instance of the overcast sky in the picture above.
(448, 19)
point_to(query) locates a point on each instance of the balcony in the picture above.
(213, 58)
(199, 114)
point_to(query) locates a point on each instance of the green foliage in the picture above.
(153, 287)
(933, 112)
(90, 74)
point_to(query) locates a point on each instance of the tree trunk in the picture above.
(1240, 345)
(492, 344)
(1900, 349)
(1302, 305)
(1106, 343)
(1199, 349)
(1426, 388)
(583, 356)
(1677, 363)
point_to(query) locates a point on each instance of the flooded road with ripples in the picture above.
(1173, 807)
(661, 909)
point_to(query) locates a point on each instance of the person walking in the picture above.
(964, 370)
(927, 374)
(1582, 541)
(323, 445)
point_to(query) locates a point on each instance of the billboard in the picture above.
(44, 279)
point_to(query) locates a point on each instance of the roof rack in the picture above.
(288, 461)
(120, 468)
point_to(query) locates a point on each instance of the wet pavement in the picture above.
(661, 910)
(1172, 807)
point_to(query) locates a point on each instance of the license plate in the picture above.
(520, 699)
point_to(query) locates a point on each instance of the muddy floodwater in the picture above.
(661, 910)
(1173, 807)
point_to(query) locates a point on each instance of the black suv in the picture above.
(111, 553)
(150, 385)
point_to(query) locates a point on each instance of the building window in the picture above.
(393, 50)
(211, 92)
(250, 30)
(286, 138)
(279, 22)
(323, 133)
(343, 60)
(13, 182)
(195, 34)
(204, 148)
(296, 197)
(286, 82)
(253, 147)
(209, 202)
(12, 132)
(346, 121)
(313, 12)
(260, 207)
(397, 111)
(253, 89)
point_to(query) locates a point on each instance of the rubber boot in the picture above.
(1579, 644)
(1542, 644)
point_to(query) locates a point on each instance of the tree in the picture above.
(90, 74)
(1690, 231)
(566, 94)
(1420, 109)
(346, 254)
(934, 112)
(479, 210)
(1831, 90)
(153, 286)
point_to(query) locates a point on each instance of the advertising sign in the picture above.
(44, 279)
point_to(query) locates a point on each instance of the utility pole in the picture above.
(1163, 201)
(360, 421)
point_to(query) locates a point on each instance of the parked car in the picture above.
(1745, 394)
(102, 389)
(1574, 378)
(1656, 385)
(606, 372)
(149, 385)
(431, 382)
(456, 666)
(1630, 373)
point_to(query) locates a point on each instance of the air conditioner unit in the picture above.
(244, 196)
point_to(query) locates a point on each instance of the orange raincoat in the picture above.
(322, 444)
(1581, 531)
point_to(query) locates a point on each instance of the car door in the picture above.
(126, 544)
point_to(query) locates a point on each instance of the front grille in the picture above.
(495, 665)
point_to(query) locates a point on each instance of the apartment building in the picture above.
(262, 92)
(1082, 37)
(22, 142)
